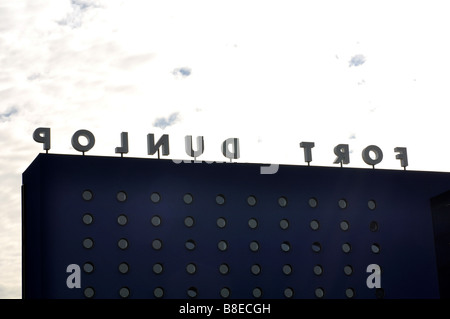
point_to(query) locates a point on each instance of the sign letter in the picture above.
(124, 143)
(74, 279)
(342, 153)
(307, 146)
(42, 135)
(189, 149)
(163, 141)
(374, 279)
(83, 148)
(403, 156)
(366, 155)
(234, 142)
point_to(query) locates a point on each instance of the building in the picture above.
(117, 227)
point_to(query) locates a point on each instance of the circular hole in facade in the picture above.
(284, 224)
(225, 292)
(158, 292)
(319, 292)
(121, 196)
(158, 268)
(318, 270)
(287, 269)
(122, 243)
(122, 220)
(155, 197)
(348, 270)
(314, 224)
(88, 219)
(371, 204)
(282, 201)
(220, 199)
(87, 195)
(286, 246)
(191, 268)
(255, 269)
(187, 198)
(252, 223)
(222, 245)
(344, 225)
(124, 292)
(349, 292)
(288, 292)
(313, 202)
(342, 203)
(189, 221)
(373, 226)
(192, 292)
(257, 292)
(316, 247)
(254, 246)
(221, 222)
(88, 243)
(89, 292)
(375, 248)
(157, 244)
(190, 244)
(156, 220)
(88, 267)
(224, 269)
(124, 268)
(346, 248)
(251, 200)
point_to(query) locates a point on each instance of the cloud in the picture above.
(357, 60)
(74, 18)
(134, 60)
(163, 122)
(182, 72)
(5, 116)
(34, 76)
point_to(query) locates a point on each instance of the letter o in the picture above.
(366, 155)
(88, 135)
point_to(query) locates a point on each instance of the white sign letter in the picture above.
(74, 279)
(188, 146)
(374, 279)
(234, 142)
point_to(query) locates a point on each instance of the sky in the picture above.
(271, 73)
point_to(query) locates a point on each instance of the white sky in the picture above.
(272, 73)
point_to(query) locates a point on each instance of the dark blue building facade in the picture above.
(113, 227)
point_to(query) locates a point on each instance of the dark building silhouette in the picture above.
(148, 228)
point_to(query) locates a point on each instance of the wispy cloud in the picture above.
(5, 116)
(182, 72)
(34, 76)
(163, 122)
(74, 18)
(357, 60)
(134, 60)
